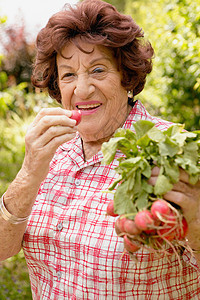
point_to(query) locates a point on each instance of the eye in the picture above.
(98, 70)
(67, 76)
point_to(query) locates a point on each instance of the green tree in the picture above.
(173, 27)
(119, 4)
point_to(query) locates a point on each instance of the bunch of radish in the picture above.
(162, 223)
(144, 218)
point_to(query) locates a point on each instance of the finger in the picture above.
(55, 142)
(51, 111)
(152, 180)
(56, 131)
(155, 171)
(178, 198)
(183, 176)
(181, 186)
(49, 121)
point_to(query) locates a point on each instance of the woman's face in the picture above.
(91, 83)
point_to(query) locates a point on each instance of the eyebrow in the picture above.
(91, 62)
(99, 58)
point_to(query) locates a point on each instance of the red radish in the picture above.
(120, 223)
(131, 246)
(168, 232)
(172, 229)
(76, 115)
(144, 220)
(159, 209)
(150, 231)
(182, 230)
(130, 227)
(117, 227)
(110, 209)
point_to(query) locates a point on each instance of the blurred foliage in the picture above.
(173, 28)
(18, 54)
(19, 102)
(14, 279)
(119, 4)
(17, 110)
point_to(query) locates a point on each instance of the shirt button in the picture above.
(60, 226)
(77, 182)
(58, 275)
(66, 190)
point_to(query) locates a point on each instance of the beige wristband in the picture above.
(8, 217)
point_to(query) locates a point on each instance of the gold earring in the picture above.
(130, 94)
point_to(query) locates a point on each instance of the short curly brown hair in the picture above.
(98, 23)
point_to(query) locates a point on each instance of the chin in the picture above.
(90, 134)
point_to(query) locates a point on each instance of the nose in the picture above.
(84, 88)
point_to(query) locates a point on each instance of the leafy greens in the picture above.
(144, 149)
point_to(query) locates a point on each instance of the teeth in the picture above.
(86, 106)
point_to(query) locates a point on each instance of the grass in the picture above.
(14, 279)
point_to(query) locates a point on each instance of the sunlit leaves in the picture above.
(169, 150)
(173, 28)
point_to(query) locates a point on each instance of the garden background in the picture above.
(172, 92)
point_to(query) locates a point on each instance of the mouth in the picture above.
(86, 107)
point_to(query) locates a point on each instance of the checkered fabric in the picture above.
(71, 247)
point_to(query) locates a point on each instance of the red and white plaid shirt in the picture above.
(71, 247)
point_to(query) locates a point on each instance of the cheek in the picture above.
(117, 96)
(66, 96)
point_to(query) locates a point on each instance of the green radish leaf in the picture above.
(109, 149)
(147, 187)
(131, 182)
(171, 170)
(130, 135)
(120, 132)
(142, 127)
(134, 192)
(142, 201)
(143, 141)
(168, 148)
(193, 179)
(191, 151)
(122, 202)
(146, 170)
(162, 185)
(130, 162)
(174, 129)
(156, 135)
(180, 138)
(111, 187)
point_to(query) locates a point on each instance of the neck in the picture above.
(91, 148)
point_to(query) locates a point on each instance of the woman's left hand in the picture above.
(187, 196)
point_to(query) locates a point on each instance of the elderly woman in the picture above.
(89, 58)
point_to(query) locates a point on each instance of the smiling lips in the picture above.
(88, 107)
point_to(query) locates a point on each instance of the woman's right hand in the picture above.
(51, 128)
